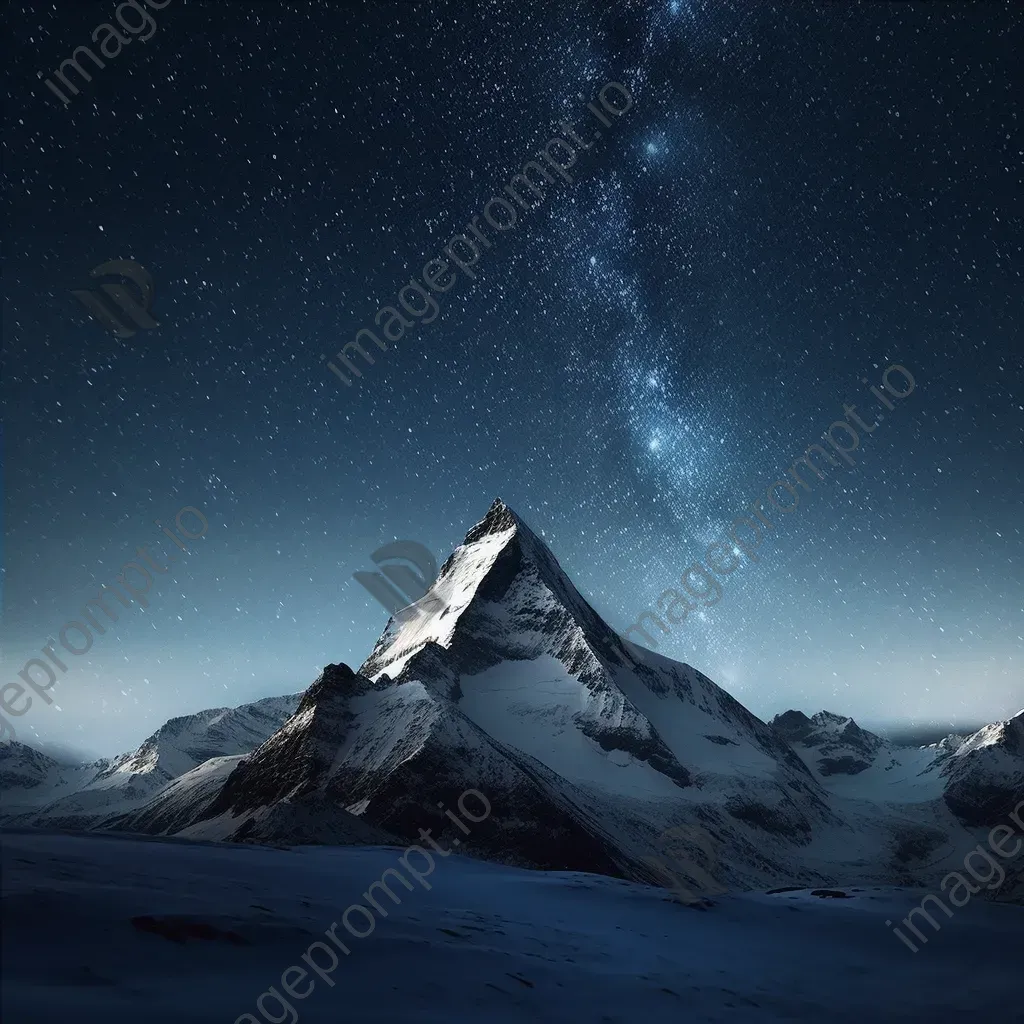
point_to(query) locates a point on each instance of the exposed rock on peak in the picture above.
(792, 723)
(334, 681)
(499, 519)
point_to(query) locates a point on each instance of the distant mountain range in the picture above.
(589, 749)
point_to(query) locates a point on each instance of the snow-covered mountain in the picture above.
(853, 763)
(30, 779)
(980, 777)
(985, 775)
(591, 752)
(935, 799)
(514, 686)
(836, 744)
(389, 754)
(38, 790)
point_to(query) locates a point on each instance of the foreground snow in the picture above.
(485, 943)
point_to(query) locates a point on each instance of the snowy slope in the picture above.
(484, 943)
(174, 806)
(390, 753)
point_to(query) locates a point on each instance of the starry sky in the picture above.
(801, 195)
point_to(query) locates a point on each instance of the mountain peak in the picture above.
(792, 724)
(476, 574)
(333, 679)
(833, 744)
(499, 517)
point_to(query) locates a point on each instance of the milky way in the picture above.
(800, 196)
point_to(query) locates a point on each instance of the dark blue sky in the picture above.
(800, 196)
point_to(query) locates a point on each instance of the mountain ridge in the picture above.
(589, 748)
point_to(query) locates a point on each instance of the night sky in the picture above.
(801, 195)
